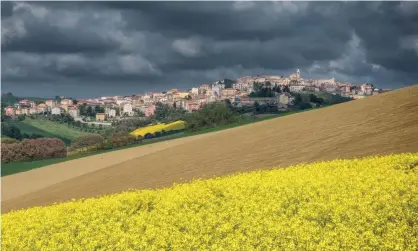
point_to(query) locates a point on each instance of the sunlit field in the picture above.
(360, 204)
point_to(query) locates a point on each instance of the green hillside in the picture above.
(29, 129)
(10, 99)
(54, 128)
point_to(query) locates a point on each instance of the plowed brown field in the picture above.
(387, 123)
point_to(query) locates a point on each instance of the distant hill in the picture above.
(10, 99)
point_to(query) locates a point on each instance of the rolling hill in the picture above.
(29, 129)
(47, 128)
(55, 128)
(383, 124)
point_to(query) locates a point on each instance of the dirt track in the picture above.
(387, 123)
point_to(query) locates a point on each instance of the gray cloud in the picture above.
(51, 48)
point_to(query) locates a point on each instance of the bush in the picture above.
(211, 115)
(121, 139)
(33, 149)
(9, 141)
(87, 141)
(11, 131)
(304, 105)
(107, 144)
(87, 149)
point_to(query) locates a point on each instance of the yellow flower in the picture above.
(360, 204)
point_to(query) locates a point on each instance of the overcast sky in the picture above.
(83, 49)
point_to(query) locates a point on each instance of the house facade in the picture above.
(100, 116)
(128, 109)
(50, 103)
(296, 88)
(74, 112)
(56, 111)
(149, 111)
(110, 113)
(10, 111)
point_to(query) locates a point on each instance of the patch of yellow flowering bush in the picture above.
(83, 150)
(362, 204)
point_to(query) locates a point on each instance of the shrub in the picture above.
(11, 131)
(9, 141)
(33, 149)
(304, 105)
(87, 141)
(121, 139)
(211, 115)
(84, 150)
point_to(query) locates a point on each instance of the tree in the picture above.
(314, 99)
(98, 109)
(304, 105)
(89, 112)
(211, 115)
(11, 131)
(4, 117)
(286, 88)
(256, 107)
(298, 99)
(166, 113)
(21, 117)
(228, 83)
(83, 109)
(277, 89)
(58, 99)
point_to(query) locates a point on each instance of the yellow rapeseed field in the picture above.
(362, 204)
(160, 127)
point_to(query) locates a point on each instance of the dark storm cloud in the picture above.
(382, 34)
(6, 9)
(139, 46)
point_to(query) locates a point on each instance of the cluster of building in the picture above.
(118, 107)
(28, 107)
(297, 83)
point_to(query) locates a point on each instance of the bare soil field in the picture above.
(383, 124)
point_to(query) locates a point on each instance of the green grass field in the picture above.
(29, 129)
(54, 128)
(17, 167)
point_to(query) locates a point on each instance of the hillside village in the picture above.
(241, 92)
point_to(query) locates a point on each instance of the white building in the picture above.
(216, 91)
(120, 101)
(296, 88)
(67, 102)
(75, 113)
(33, 110)
(50, 103)
(56, 111)
(195, 91)
(284, 98)
(147, 99)
(127, 109)
(110, 113)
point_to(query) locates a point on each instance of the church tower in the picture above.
(298, 74)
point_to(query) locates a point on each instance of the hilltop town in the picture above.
(241, 92)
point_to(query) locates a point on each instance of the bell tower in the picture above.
(298, 74)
